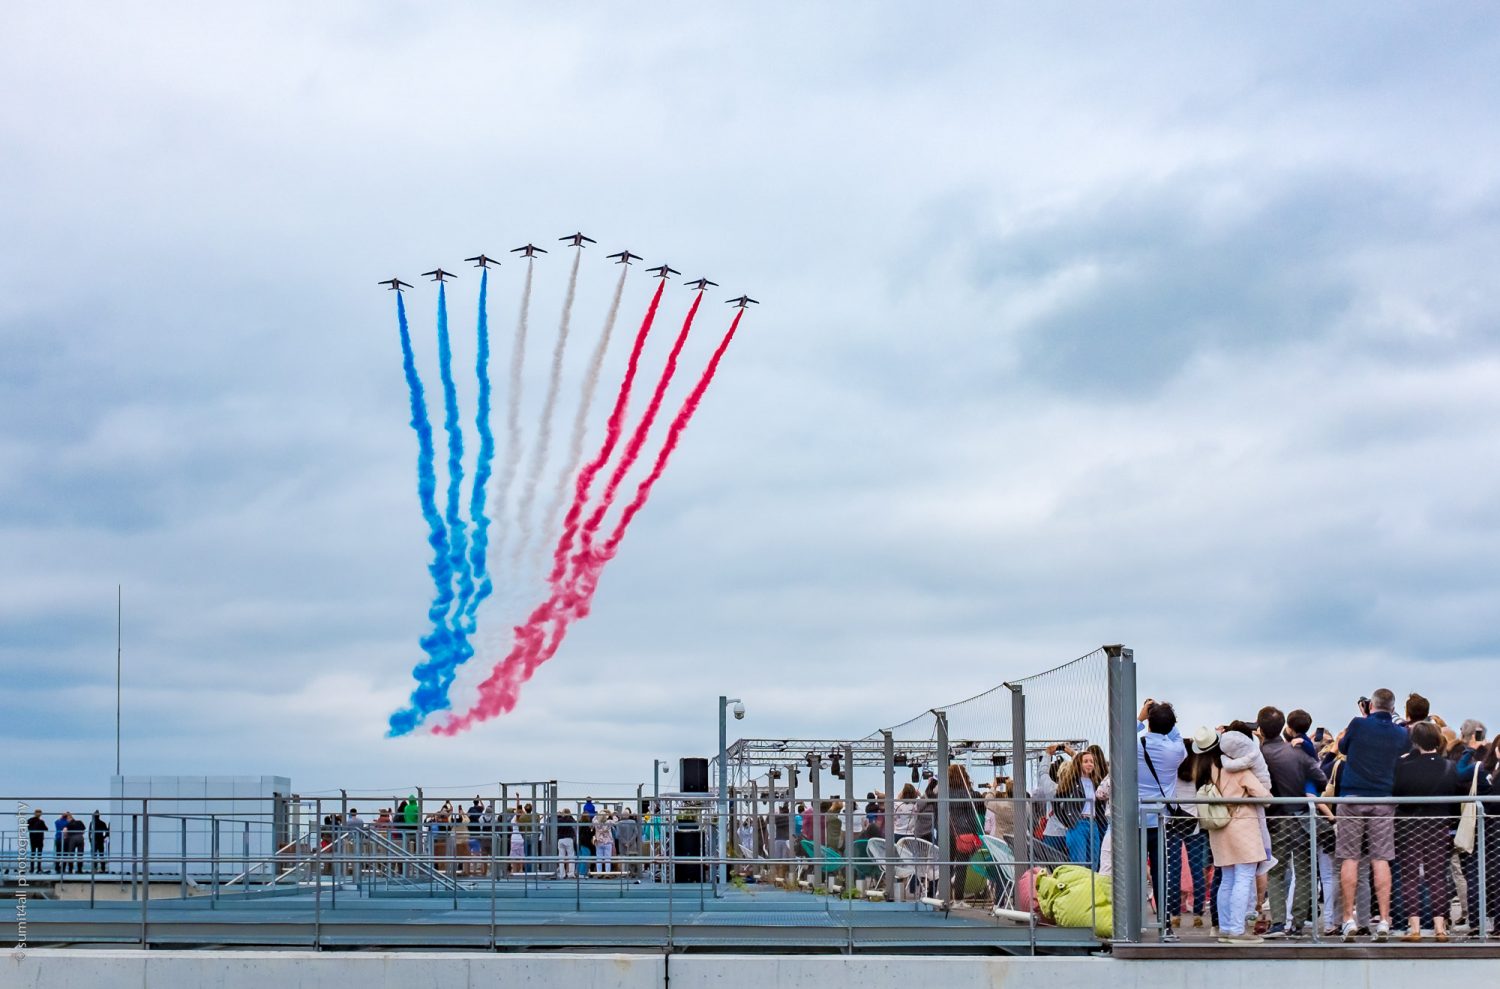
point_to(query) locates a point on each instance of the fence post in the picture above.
(848, 848)
(814, 815)
(135, 853)
(1021, 840)
(184, 857)
(1479, 849)
(317, 872)
(1124, 805)
(945, 840)
(888, 862)
(1312, 859)
(145, 868)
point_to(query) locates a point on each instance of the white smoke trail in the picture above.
(553, 517)
(512, 427)
(544, 435)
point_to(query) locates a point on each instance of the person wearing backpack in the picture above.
(1234, 835)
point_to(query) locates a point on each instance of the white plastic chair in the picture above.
(880, 852)
(920, 856)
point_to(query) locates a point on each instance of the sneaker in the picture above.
(1349, 931)
(1276, 930)
(1197, 921)
(1383, 931)
(1243, 938)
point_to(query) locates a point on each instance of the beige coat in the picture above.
(1239, 842)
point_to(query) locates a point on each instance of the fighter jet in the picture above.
(394, 284)
(743, 302)
(578, 240)
(624, 257)
(663, 271)
(438, 274)
(529, 251)
(480, 261)
(700, 284)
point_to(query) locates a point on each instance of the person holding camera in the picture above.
(1159, 751)
(1370, 746)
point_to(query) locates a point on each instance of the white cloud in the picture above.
(1156, 329)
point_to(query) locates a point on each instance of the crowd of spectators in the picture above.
(1380, 858)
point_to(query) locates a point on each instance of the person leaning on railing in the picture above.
(1078, 811)
(1424, 832)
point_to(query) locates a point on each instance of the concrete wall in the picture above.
(112, 969)
(109, 969)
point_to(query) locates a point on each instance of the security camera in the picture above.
(739, 711)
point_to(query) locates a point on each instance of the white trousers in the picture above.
(1236, 891)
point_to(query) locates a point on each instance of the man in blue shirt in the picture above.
(60, 825)
(1159, 751)
(1371, 745)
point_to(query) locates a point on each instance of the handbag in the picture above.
(1212, 816)
(967, 844)
(1468, 818)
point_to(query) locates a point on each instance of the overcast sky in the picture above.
(1166, 325)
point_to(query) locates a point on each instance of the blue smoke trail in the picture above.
(436, 644)
(483, 584)
(458, 558)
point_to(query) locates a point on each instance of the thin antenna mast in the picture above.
(119, 636)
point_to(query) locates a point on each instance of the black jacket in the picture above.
(1420, 775)
(1291, 770)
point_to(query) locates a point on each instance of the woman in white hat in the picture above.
(1237, 846)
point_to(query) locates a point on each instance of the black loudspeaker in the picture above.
(694, 775)
(688, 843)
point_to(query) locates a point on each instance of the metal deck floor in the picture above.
(549, 915)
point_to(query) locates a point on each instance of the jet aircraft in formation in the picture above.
(578, 240)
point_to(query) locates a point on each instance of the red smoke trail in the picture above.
(674, 433)
(638, 438)
(570, 602)
(493, 699)
(611, 437)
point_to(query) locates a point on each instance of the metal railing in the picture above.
(1331, 870)
(834, 866)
